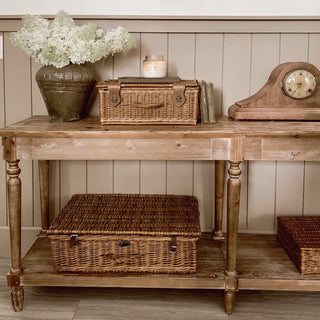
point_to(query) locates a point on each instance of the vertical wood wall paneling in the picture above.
(54, 189)
(103, 70)
(261, 174)
(3, 193)
(153, 174)
(290, 175)
(28, 238)
(100, 173)
(236, 86)
(18, 107)
(72, 178)
(88, 176)
(204, 191)
(100, 176)
(181, 57)
(126, 173)
(38, 105)
(312, 169)
(208, 67)
(311, 191)
(209, 56)
(38, 108)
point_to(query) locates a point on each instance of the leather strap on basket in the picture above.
(178, 94)
(114, 94)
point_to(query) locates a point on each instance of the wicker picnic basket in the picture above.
(300, 237)
(126, 233)
(135, 101)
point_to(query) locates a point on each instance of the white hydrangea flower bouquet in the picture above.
(60, 42)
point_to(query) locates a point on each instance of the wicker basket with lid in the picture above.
(149, 101)
(129, 233)
(300, 237)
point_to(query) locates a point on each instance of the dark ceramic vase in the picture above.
(66, 91)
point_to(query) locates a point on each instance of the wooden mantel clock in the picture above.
(292, 92)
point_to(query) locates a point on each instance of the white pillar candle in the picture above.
(154, 66)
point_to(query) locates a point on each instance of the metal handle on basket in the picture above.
(173, 245)
(124, 243)
(73, 239)
(149, 106)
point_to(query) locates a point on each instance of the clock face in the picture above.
(299, 84)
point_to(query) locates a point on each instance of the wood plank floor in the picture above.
(62, 303)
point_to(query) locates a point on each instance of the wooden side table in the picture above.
(38, 139)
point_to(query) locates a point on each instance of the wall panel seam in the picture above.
(275, 195)
(195, 56)
(276, 164)
(139, 165)
(303, 187)
(247, 162)
(86, 176)
(33, 162)
(5, 123)
(304, 163)
(112, 176)
(59, 193)
(222, 72)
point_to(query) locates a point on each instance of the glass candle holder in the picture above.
(154, 66)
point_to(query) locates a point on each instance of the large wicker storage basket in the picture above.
(149, 103)
(300, 237)
(129, 233)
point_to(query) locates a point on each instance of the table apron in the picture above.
(129, 149)
(282, 148)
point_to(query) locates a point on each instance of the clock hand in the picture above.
(293, 92)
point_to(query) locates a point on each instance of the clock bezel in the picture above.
(292, 71)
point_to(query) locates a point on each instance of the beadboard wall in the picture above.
(236, 55)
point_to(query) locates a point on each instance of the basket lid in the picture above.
(305, 231)
(151, 83)
(128, 214)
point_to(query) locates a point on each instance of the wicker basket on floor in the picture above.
(300, 237)
(126, 233)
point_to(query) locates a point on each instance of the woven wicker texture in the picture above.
(149, 104)
(126, 233)
(300, 237)
(131, 214)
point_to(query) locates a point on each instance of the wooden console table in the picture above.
(38, 139)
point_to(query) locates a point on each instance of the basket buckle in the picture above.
(173, 245)
(178, 94)
(73, 239)
(114, 94)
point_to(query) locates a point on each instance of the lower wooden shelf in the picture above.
(262, 265)
(38, 270)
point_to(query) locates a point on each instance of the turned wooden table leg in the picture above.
(233, 202)
(44, 192)
(220, 166)
(14, 202)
